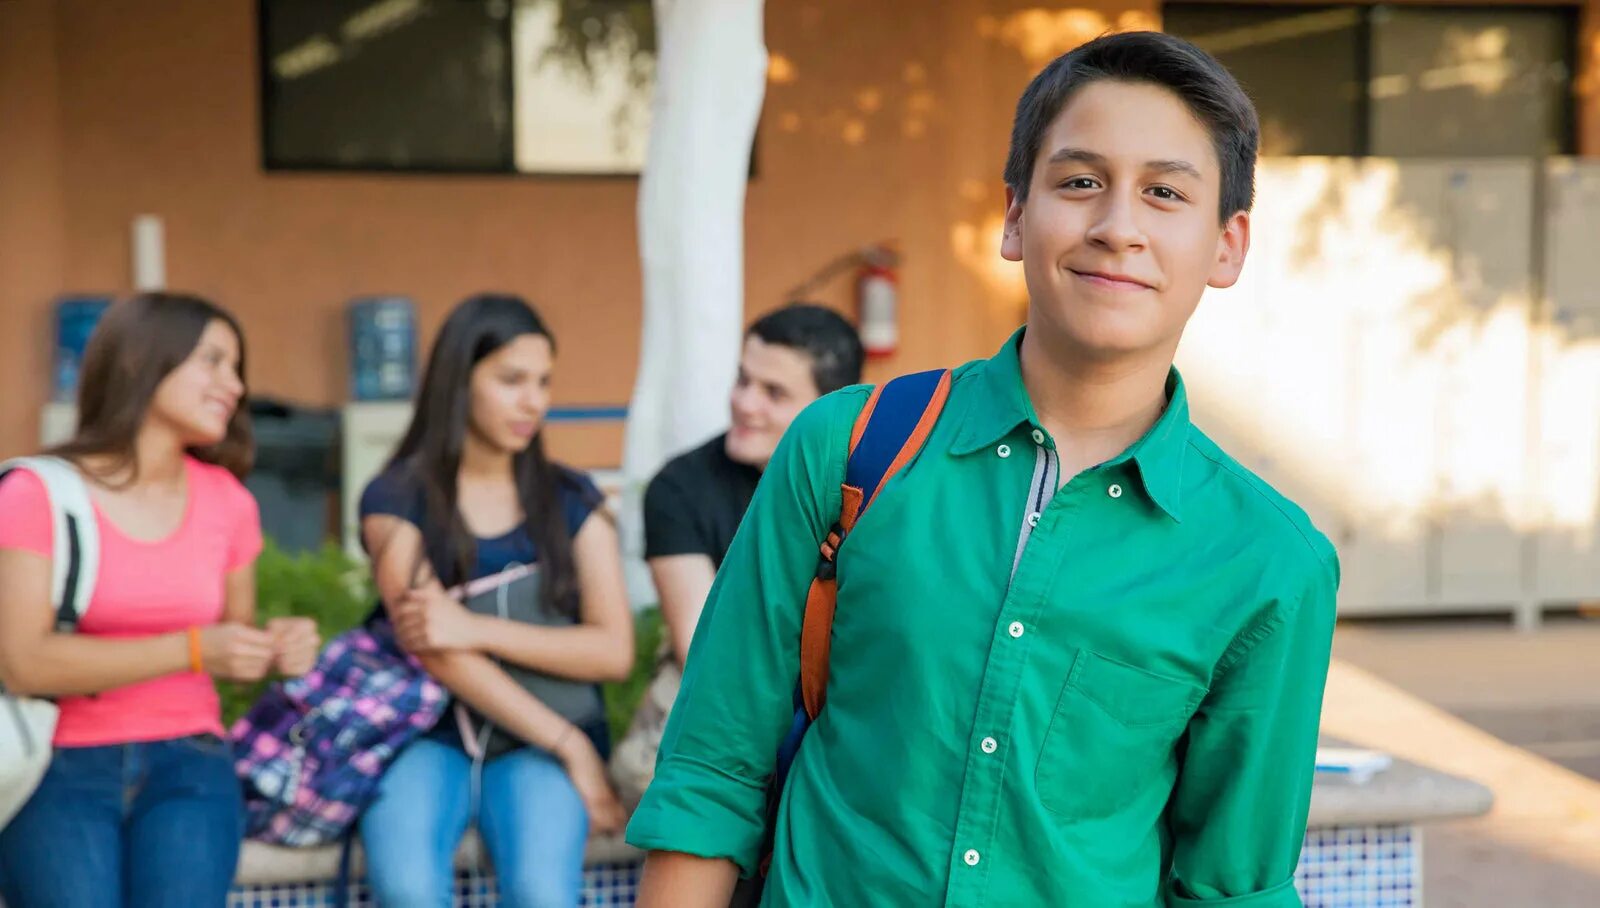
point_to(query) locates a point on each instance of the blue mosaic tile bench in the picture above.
(271, 877)
(1340, 867)
(1361, 867)
(604, 886)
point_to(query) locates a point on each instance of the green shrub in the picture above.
(327, 586)
(622, 697)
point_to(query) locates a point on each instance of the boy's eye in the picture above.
(1079, 183)
(1166, 193)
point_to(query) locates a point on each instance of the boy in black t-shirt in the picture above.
(693, 506)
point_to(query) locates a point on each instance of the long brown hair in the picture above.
(430, 453)
(137, 344)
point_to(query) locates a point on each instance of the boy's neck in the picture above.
(1093, 408)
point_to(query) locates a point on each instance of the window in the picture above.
(474, 86)
(1397, 81)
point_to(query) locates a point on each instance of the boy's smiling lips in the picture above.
(1110, 280)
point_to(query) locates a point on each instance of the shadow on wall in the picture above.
(1414, 350)
(1413, 354)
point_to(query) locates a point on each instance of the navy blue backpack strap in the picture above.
(342, 883)
(891, 429)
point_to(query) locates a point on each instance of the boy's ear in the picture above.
(1232, 246)
(1011, 235)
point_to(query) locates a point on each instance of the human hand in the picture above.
(295, 642)
(588, 774)
(430, 620)
(235, 652)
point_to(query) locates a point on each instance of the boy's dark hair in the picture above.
(1206, 87)
(823, 335)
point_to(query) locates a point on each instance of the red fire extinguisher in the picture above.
(877, 298)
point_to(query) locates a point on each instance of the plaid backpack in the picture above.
(312, 750)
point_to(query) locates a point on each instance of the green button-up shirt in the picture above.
(1102, 694)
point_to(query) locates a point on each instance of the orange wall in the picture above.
(888, 125)
(32, 213)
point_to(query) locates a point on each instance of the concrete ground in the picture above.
(1518, 712)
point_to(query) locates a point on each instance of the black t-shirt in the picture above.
(694, 505)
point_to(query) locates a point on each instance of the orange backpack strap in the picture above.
(891, 429)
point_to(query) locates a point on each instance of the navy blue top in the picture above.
(397, 494)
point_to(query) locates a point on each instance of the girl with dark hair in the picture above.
(140, 805)
(502, 573)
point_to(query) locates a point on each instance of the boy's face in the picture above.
(1119, 235)
(774, 385)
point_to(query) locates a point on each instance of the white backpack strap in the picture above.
(75, 562)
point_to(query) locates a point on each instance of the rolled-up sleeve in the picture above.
(1283, 895)
(1238, 815)
(719, 749)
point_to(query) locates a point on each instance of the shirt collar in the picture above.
(1158, 456)
(1001, 404)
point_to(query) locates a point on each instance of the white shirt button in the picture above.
(1033, 519)
(990, 745)
(1016, 628)
(1115, 491)
(1003, 450)
(971, 857)
(1038, 437)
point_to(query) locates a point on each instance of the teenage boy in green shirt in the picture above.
(1079, 651)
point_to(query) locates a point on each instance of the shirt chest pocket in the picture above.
(1113, 730)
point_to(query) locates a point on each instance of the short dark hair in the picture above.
(823, 335)
(1206, 87)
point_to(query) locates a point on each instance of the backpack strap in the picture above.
(891, 429)
(75, 547)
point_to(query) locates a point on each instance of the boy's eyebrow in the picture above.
(1084, 156)
(1081, 155)
(1173, 166)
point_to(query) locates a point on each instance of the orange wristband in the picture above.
(196, 664)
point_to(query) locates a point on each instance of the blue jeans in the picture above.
(145, 825)
(531, 820)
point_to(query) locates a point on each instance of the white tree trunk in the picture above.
(711, 63)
